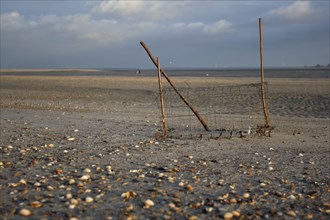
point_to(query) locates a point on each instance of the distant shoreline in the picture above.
(48, 70)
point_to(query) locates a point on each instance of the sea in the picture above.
(305, 72)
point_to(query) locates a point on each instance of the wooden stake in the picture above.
(263, 78)
(161, 99)
(177, 92)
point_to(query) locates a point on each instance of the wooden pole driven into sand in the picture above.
(161, 99)
(263, 77)
(177, 92)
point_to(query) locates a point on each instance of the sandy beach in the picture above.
(87, 148)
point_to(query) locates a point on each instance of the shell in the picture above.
(148, 203)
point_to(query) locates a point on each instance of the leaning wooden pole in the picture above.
(263, 78)
(161, 99)
(177, 92)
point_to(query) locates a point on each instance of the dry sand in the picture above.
(85, 147)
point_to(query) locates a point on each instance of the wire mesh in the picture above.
(228, 110)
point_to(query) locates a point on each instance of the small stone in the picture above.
(228, 215)
(68, 196)
(292, 197)
(270, 168)
(233, 200)
(246, 195)
(189, 188)
(87, 170)
(71, 181)
(148, 203)
(74, 201)
(89, 199)
(130, 208)
(50, 188)
(309, 216)
(25, 212)
(71, 139)
(85, 177)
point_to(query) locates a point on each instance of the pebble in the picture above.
(228, 215)
(89, 199)
(246, 195)
(85, 177)
(292, 197)
(68, 196)
(25, 212)
(87, 170)
(189, 188)
(74, 201)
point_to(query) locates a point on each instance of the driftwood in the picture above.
(172, 85)
(161, 99)
(263, 78)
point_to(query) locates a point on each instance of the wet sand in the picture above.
(86, 148)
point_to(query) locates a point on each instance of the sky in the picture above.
(183, 34)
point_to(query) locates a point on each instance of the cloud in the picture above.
(297, 11)
(152, 10)
(14, 20)
(74, 27)
(217, 27)
(124, 8)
